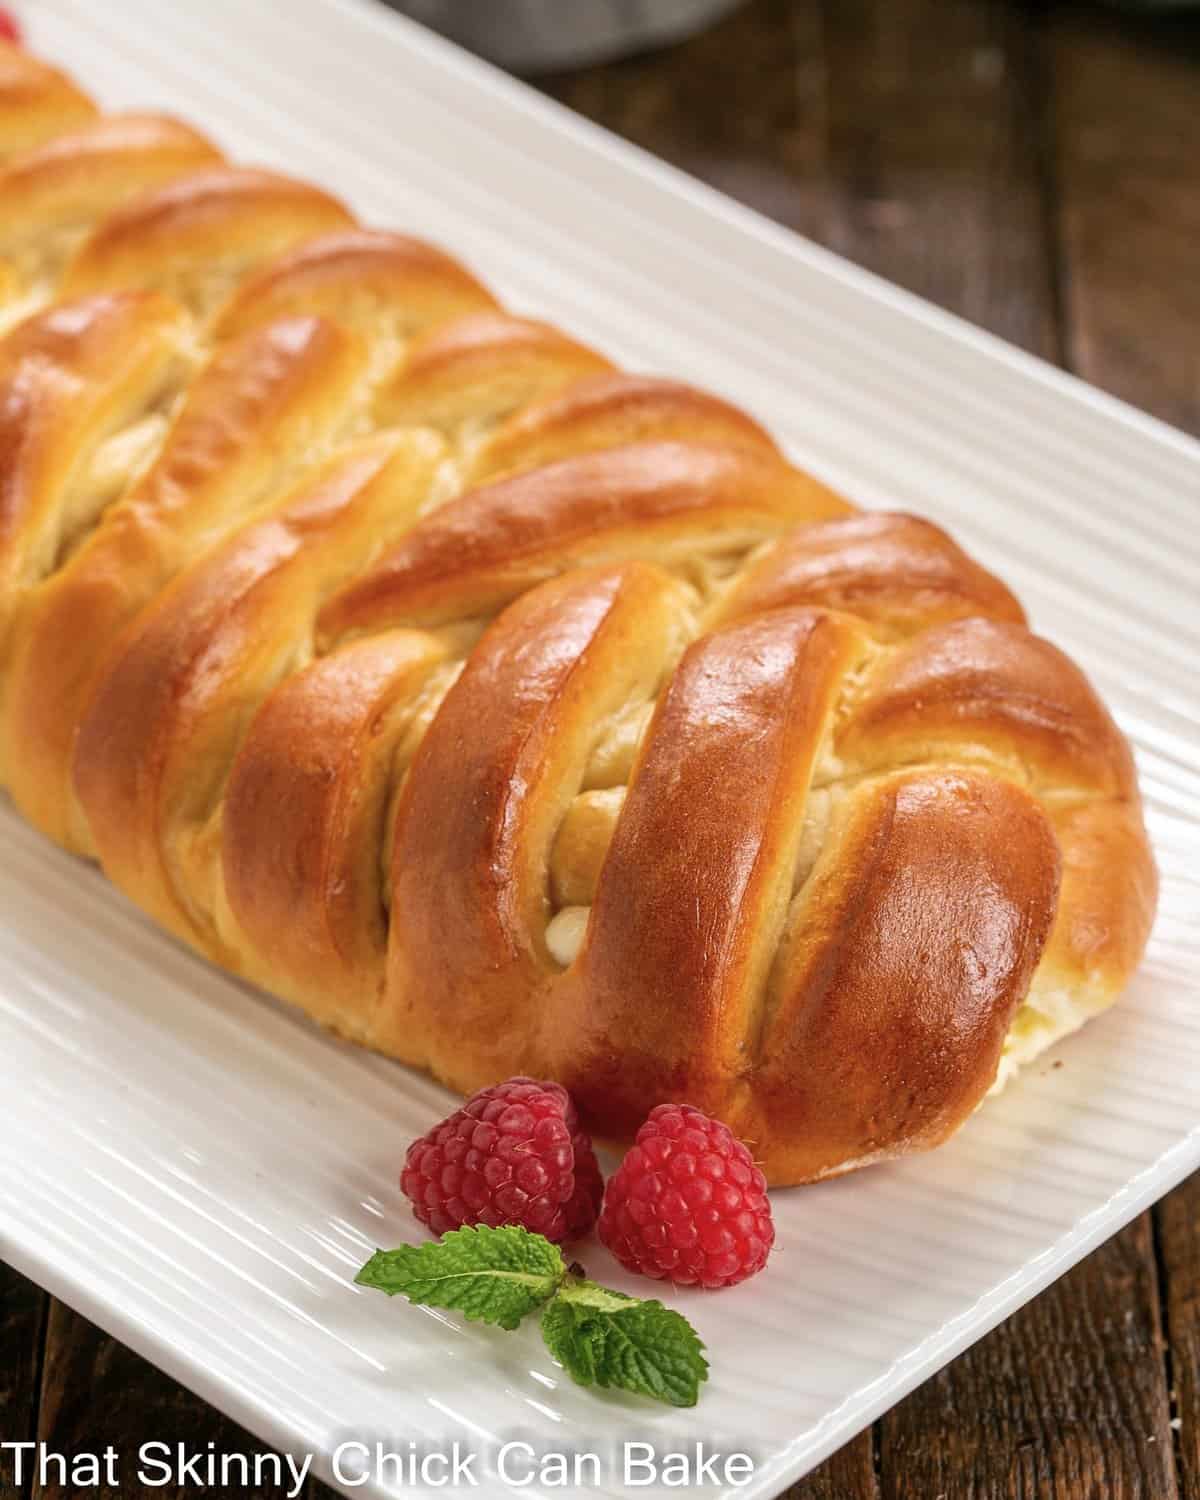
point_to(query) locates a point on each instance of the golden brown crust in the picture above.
(914, 944)
(361, 277)
(506, 711)
(1107, 901)
(193, 237)
(158, 738)
(69, 379)
(232, 444)
(50, 197)
(37, 102)
(476, 371)
(897, 573)
(483, 800)
(985, 689)
(302, 896)
(612, 411)
(673, 503)
(697, 903)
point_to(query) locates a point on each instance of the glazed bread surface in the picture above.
(505, 711)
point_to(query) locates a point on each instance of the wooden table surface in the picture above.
(1033, 167)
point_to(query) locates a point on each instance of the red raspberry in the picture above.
(513, 1154)
(10, 27)
(687, 1203)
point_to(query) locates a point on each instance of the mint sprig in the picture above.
(490, 1275)
(600, 1337)
(605, 1338)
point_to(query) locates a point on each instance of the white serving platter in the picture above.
(200, 1171)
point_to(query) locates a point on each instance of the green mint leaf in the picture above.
(605, 1338)
(490, 1275)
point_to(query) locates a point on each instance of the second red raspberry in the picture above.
(688, 1204)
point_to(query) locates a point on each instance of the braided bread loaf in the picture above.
(506, 712)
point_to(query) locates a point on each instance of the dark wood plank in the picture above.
(97, 1392)
(22, 1324)
(741, 106)
(1179, 1240)
(1125, 115)
(904, 136)
(934, 157)
(1065, 1402)
(848, 1475)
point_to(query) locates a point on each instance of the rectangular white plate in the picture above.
(200, 1171)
